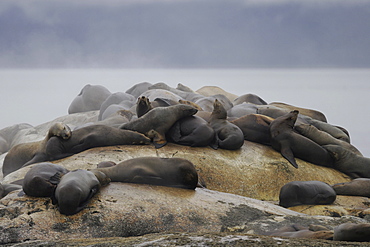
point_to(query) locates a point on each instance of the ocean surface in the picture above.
(343, 95)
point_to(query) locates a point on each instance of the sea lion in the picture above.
(115, 98)
(86, 138)
(138, 89)
(356, 187)
(353, 165)
(297, 231)
(24, 152)
(206, 103)
(89, 99)
(159, 119)
(42, 179)
(188, 94)
(308, 112)
(143, 105)
(172, 172)
(228, 135)
(323, 138)
(75, 189)
(213, 90)
(335, 131)
(352, 232)
(191, 131)
(241, 110)
(291, 144)
(249, 98)
(7, 188)
(306, 193)
(255, 128)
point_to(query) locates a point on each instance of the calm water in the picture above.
(38, 96)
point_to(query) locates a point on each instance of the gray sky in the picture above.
(184, 33)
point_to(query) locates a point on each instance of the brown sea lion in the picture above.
(249, 98)
(356, 187)
(143, 105)
(76, 188)
(291, 144)
(336, 131)
(353, 165)
(255, 127)
(42, 179)
(7, 188)
(352, 232)
(228, 135)
(172, 172)
(308, 112)
(191, 131)
(323, 138)
(24, 152)
(86, 138)
(297, 231)
(159, 119)
(306, 193)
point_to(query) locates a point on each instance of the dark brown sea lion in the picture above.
(241, 110)
(306, 193)
(159, 119)
(255, 127)
(76, 188)
(352, 232)
(191, 131)
(228, 135)
(323, 138)
(172, 172)
(143, 105)
(335, 131)
(42, 179)
(86, 138)
(353, 165)
(24, 152)
(7, 188)
(356, 187)
(291, 144)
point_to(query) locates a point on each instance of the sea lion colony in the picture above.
(156, 114)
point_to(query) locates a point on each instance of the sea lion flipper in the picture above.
(159, 140)
(287, 153)
(55, 179)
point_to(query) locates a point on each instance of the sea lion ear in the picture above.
(55, 179)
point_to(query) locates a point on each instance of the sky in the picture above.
(184, 34)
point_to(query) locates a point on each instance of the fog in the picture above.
(184, 34)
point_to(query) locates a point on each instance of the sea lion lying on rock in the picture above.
(356, 187)
(172, 172)
(306, 193)
(24, 152)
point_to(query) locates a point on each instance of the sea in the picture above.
(343, 95)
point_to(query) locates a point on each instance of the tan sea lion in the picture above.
(76, 188)
(291, 144)
(353, 165)
(85, 138)
(42, 179)
(24, 152)
(356, 187)
(306, 193)
(159, 119)
(228, 135)
(172, 172)
(249, 98)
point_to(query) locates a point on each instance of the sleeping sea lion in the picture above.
(353, 165)
(352, 232)
(306, 193)
(159, 119)
(86, 138)
(228, 135)
(7, 188)
(356, 187)
(291, 144)
(24, 152)
(42, 179)
(172, 172)
(75, 189)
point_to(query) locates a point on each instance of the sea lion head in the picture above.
(186, 110)
(61, 130)
(219, 110)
